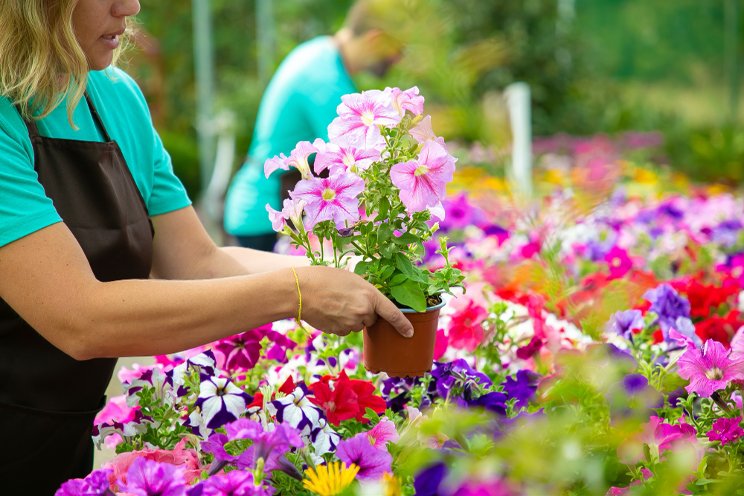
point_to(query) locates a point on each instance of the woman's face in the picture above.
(98, 26)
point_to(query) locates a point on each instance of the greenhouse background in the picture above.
(599, 66)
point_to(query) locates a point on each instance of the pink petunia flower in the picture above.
(726, 430)
(423, 132)
(360, 116)
(297, 159)
(440, 344)
(422, 182)
(383, 432)
(330, 198)
(187, 460)
(406, 100)
(709, 369)
(737, 345)
(344, 158)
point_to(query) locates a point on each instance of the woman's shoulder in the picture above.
(12, 127)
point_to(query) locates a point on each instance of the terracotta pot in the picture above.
(385, 350)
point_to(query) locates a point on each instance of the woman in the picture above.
(101, 254)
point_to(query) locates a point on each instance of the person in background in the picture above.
(298, 104)
(101, 252)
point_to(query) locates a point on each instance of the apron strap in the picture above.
(97, 118)
(33, 129)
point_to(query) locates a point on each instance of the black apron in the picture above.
(47, 399)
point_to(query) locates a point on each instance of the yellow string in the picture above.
(299, 297)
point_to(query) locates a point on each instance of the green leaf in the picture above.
(403, 264)
(409, 294)
(371, 415)
(361, 268)
(384, 233)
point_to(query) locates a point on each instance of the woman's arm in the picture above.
(46, 278)
(184, 250)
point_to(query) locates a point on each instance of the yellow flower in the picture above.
(392, 485)
(330, 479)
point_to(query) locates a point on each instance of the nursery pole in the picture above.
(731, 50)
(518, 102)
(265, 39)
(204, 68)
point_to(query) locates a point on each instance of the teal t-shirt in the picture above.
(25, 208)
(298, 104)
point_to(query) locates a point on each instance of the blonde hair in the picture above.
(40, 58)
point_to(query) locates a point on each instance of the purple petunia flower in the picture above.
(95, 484)
(428, 480)
(522, 387)
(372, 462)
(634, 383)
(493, 402)
(668, 305)
(626, 321)
(151, 478)
(457, 375)
(726, 430)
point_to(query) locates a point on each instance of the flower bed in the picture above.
(597, 350)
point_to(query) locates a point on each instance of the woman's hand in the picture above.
(339, 302)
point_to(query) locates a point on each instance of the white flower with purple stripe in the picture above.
(204, 362)
(220, 401)
(324, 438)
(296, 410)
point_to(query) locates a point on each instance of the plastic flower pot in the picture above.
(385, 350)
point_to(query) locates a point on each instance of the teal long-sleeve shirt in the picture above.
(298, 104)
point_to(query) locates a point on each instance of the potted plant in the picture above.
(385, 173)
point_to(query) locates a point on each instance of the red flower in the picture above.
(721, 329)
(703, 297)
(347, 399)
(465, 327)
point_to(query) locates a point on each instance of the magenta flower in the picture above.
(422, 182)
(360, 116)
(372, 462)
(240, 352)
(297, 159)
(330, 198)
(235, 483)
(95, 484)
(344, 158)
(618, 262)
(726, 430)
(709, 369)
(151, 478)
(666, 435)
